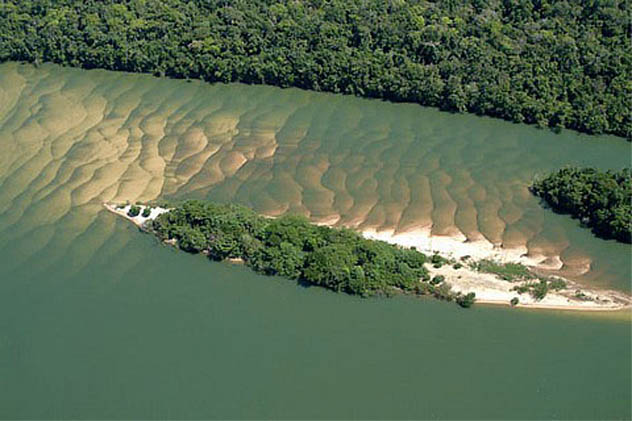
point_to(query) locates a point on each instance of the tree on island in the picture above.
(133, 211)
(290, 246)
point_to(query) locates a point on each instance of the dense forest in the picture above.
(550, 63)
(601, 200)
(292, 247)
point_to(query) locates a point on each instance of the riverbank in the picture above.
(491, 289)
(460, 273)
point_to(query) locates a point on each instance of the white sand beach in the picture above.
(138, 220)
(491, 289)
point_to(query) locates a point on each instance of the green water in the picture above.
(100, 321)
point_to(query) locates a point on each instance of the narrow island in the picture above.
(344, 260)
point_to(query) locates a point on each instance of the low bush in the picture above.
(466, 300)
(505, 271)
(133, 211)
(437, 280)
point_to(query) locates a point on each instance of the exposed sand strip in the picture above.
(488, 287)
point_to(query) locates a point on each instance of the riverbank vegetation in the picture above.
(539, 289)
(602, 200)
(527, 280)
(550, 63)
(506, 271)
(290, 246)
(134, 211)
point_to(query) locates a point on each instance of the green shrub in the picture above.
(514, 301)
(557, 64)
(133, 211)
(466, 300)
(506, 271)
(146, 212)
(521, 289)
(437, 279)
(539, 289)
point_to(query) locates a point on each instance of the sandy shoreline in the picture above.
(138, 220)
(489, 288)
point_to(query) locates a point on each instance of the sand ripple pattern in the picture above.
(72, 139)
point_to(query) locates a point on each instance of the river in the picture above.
(100, 321)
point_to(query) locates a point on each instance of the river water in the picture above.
(100, 321)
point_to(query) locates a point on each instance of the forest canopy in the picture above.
(290, 246)
(550, 63)
(600, 199)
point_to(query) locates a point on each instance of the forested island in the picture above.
(290, 246)
(344, 260)
(602, 200)
(550, 63)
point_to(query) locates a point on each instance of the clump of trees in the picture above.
(602, 200)
(335, 258)
(550, 63)
(133, 211)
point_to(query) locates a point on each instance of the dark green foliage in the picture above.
(146, 212)
(506, 271)
(514, 301)
(437, 279)
(466, 300)
(521, 289)
(133, 211)
(557, 284)
(551, 63)
(539, 289)
(191, 240)
(290, 246)
(601, 200)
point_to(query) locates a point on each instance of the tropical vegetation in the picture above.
(551, 63)
(602, 200)
(290, 246)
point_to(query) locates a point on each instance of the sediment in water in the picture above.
(72, 139)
